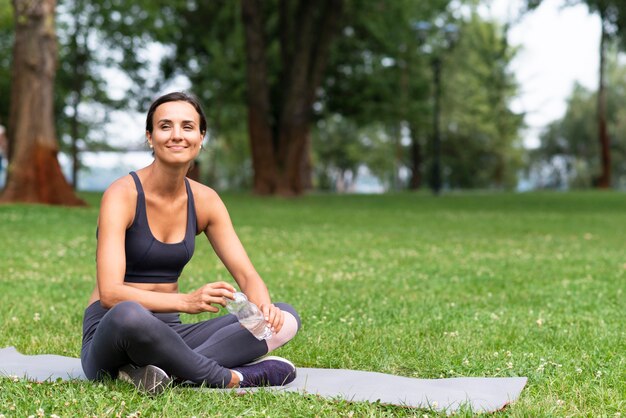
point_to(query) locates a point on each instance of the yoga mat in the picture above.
(481, 394)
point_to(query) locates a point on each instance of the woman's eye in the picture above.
(165, 126)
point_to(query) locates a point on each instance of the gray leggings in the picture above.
(201, 352)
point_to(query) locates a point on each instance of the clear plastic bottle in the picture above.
(250, 316)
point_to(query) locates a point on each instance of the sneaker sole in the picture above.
(148, 379)
(262, 359)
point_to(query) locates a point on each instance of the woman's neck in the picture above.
(164, 180)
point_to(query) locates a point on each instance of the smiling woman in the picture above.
(175, 125)
(146, 235)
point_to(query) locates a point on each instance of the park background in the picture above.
(518, 94)
(448, 273)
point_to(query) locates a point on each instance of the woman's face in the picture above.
(176, 135)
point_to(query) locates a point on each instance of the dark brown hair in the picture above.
(176, 96)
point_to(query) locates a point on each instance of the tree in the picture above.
(613, 26)
(280, 129)
(481, 146)
(283, 46)
(34, 173)
(568, 157)
(82, 98)
(378, 76)
(6, 43)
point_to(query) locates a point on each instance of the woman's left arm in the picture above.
(221, 233)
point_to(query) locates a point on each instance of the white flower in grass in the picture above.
(466, 362)
(435, 404)
(579, 370)
(509, 365)
(560, 402)
(41, 413)
(599, 373)
(14, 319)
(54, 416)
(36, 317)
(539, 321)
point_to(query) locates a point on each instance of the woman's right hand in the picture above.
(205, 298)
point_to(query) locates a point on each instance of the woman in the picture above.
(146, 233)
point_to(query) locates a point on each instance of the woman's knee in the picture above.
(129, 317)
(290, 327)
(288, 308)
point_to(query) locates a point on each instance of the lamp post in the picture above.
(435, 40)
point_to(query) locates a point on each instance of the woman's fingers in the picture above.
(274, 316)
(217, 292)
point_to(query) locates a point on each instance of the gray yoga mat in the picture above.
(481, 394)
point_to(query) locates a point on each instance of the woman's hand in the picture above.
(274, 316)
(204, 298)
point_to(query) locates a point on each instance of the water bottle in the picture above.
(249, 315)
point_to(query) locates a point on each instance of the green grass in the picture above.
(461, 285)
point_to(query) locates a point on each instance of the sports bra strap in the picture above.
(137, 182)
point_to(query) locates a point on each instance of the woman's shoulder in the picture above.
(122, 189)
(118, 202)
(202, 192)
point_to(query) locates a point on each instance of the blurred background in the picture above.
(345, 96)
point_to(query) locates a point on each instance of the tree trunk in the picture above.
(279, 131)
(74, 149)
(604, 181)
(259, 108)
(34, 173)
(416, 159)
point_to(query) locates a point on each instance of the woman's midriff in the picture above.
(153, 287)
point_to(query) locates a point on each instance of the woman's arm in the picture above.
(220, 232)
(117, 211)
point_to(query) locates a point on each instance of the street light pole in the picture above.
(435, 181)
(444, 38)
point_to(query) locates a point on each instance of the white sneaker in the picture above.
(148, 379)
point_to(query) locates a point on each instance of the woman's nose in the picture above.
(177, 132)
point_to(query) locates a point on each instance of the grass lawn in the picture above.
(461, 285)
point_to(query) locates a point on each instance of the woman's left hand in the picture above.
(274, 316)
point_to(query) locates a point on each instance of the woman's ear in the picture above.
(149, 139)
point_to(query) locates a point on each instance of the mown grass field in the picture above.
(461, 285)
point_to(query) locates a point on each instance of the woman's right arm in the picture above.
(117, 211)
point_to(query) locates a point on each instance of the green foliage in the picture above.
(378, 83)
(6, 45)
(482, 146)
(569, 152)
(461, 285)
(381, 76)
(82, 95)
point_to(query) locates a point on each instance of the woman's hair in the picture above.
(176, 96)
